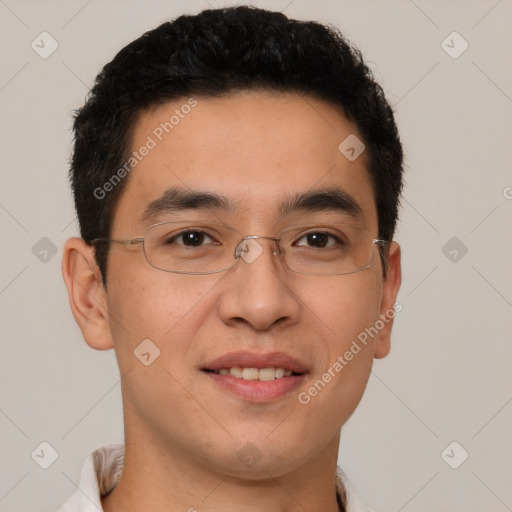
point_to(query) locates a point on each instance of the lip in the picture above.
(254, 360)
(257, 391)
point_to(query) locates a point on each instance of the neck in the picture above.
(162, 478)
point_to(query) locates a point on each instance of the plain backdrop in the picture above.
(448, 376)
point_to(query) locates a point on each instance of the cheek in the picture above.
(150, 304)
(168, 310)
(342, 309)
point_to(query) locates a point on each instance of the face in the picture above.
(257, 150)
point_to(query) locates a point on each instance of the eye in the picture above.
(190, 238)
(319, 239)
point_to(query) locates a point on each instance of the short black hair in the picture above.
(211, 54)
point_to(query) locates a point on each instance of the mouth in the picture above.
(261, 374)
(256, 377)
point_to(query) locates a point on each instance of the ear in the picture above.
(390, 289)
(87, 295)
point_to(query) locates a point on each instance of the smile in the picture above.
(262, 374)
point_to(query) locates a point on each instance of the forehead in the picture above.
(259, 150)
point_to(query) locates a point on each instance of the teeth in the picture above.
(236, 371)
(263, 374)
(250, 373)
(267, 374)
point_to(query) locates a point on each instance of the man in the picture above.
(236, 177)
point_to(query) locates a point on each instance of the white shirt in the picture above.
(103, 467)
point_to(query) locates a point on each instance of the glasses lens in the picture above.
(197, 247)
(330, 249)
(190, 247)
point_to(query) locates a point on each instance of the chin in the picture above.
(259, 458)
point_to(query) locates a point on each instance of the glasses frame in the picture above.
(239, 250)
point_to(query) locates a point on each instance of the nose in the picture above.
(257, 291)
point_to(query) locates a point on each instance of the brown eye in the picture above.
(190, 238)
(319, 239)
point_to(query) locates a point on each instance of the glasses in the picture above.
(198, 247)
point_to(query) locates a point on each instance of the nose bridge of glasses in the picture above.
(245, 248)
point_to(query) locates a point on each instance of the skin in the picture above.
(182, 432)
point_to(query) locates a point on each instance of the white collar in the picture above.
(103, 467)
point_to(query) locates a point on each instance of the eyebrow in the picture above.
(331, 199)
(175, 199)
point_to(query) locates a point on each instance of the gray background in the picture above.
(448, 376)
